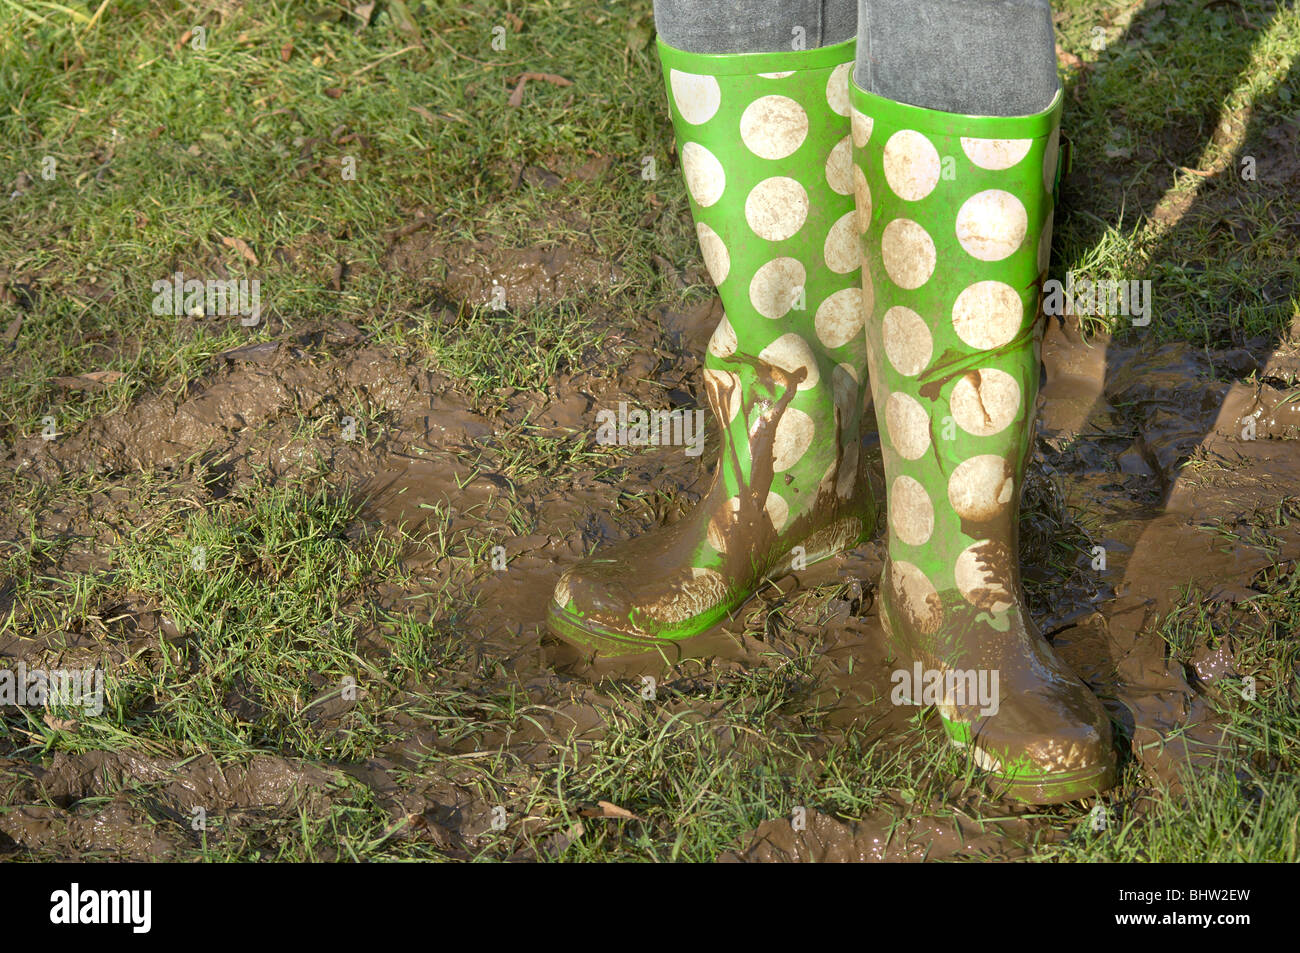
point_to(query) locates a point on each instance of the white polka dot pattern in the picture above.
(716, 257)
(841, 249)
(837, 89)
(996, 154)
(773, 127)
(907, 251)
(908, 425)
(907, 340)
(911, 165)
(776, 286)
(992, 224)
(984, 402)
(705, 179)
(791, 353)
(911, 514)
(987, 314)
(776, 208)
(697, 97)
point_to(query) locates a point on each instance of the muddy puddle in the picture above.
(1147, 456)
(889, 835)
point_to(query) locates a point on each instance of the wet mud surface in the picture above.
(1140, 452)
(888, 835)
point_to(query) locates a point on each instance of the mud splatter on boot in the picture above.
(766, 153)
(955, 214)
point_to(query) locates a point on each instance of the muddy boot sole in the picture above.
(603, 641)
(1030, 786)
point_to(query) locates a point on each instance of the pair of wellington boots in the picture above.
(867, 253)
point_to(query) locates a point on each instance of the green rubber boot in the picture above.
(957, 215)
(766, 152)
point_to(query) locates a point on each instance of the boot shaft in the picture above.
(956, 230)
(765, 145)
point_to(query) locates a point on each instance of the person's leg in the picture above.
(976, 57)
(754, 26)
(763, 133)
(955, 147)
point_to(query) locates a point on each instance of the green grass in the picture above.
(1179, 86)
(158, 152)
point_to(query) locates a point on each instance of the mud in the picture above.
(1118, 427)
(1167, 523)
(889, 835)
(1140, 451)
(484, 273)
(42, 807)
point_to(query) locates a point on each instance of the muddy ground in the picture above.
(1140, 451)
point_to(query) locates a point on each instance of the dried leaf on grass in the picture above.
(517, 97)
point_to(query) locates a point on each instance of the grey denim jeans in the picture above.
(982, 57)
